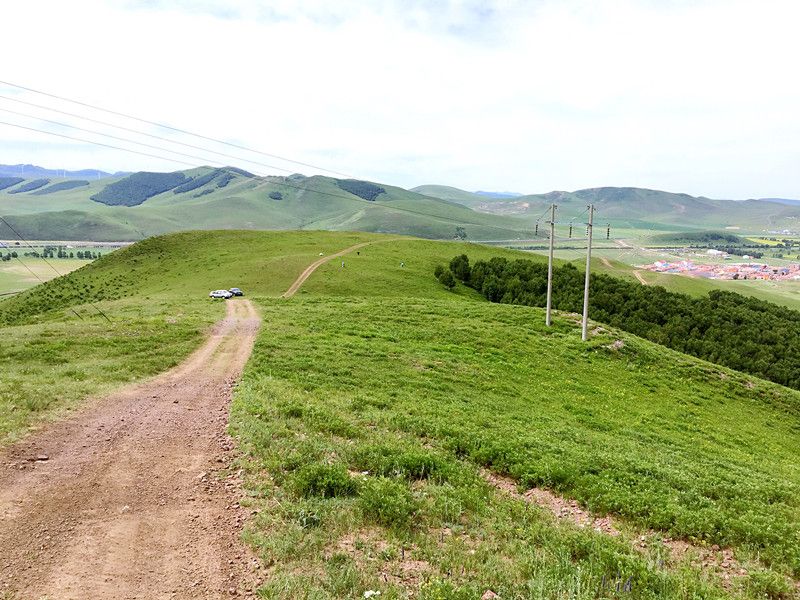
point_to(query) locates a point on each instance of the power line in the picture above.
(69, 137)
(175, 129)
(121, 139)
(283, 183)
(34, 273)
(137, 132)
(47, 262)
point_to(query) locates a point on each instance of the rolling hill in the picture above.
(380, 413)
(636, 208)
(135, 206)
(127, 207)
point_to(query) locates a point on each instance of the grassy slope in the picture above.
(376, 368)
(376, 352)
(641, 208)
(310, 203)
(155, 294)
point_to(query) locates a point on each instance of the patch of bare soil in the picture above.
(720, 561)
(132, 497)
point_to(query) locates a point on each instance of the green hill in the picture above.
(635, 208)
(375, 399)
(135, 206)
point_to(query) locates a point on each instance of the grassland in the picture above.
(244, 202)
(419, 393)
(57, 349)
(24, 272)
(375, 397)
(55, 364)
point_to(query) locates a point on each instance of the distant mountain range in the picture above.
(499, 195)
(782, 201)
(28, 171)
(48, 204)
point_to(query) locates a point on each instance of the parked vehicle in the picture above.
(225, 294)
(236, 292)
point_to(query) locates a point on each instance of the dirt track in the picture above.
(134, 500)
(315, 265)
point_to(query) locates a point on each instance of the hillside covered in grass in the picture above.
(630, 207)
(138, 205)
(132, 206)
(378, 406)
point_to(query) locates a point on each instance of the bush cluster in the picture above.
(196, 182)
(136, 188)
(30, 186)
(7, 182)
(61, 186)
(363, 189)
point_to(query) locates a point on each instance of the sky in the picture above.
(688, 96)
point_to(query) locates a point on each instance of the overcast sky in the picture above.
(692, 96)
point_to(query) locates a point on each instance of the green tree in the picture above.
(447, 280)
(460, 267)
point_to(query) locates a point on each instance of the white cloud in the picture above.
(687, 96)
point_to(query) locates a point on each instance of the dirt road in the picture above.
(133, 499)
(315, 265)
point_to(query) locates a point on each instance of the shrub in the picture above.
(326, 481)
(276, 196)
(387, 502)
(768, 584)
(460, 267)
(437, 272)
(410, 464)
(447, 280)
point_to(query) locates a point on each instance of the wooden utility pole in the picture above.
(584, 333)
(547, 319)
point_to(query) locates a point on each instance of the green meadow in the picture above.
(375, 399)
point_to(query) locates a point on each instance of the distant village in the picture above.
(742, 270)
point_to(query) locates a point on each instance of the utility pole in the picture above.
(584, 334)
(547, 320)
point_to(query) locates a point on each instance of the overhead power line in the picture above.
(121, 139)
(171, 128)
(283, 183)
(142, 133)
(47, 262)
(69, 137)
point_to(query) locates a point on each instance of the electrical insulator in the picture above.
(570, 230)
(608, 232)
(537, 227)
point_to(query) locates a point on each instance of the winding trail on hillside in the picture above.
(638, 275)
(301, 279)
(132, 497)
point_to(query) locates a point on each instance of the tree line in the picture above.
(736, 331)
